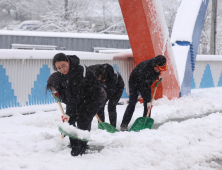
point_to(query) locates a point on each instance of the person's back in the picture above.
(113, 84)
(143, 75)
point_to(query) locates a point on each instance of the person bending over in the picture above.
(80, 90)
(113, 83)
(140, 81)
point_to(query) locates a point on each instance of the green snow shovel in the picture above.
(101, 125)
(106, 126)
(145, 122)
(72, 136)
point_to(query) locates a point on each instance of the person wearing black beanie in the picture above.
(140, 81)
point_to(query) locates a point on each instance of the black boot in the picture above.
(84, 147)
(76, 150)
(124, 127)
(79, 148)
(74, 146)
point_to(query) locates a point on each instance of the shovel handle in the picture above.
(63, 113)
(158, 82)
(149, 109)
(61, 108)
(60, 105)
(98, 118)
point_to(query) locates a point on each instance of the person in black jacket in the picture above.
(113, 83)
(80, 90)
(140, 81)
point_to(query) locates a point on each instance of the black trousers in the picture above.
(88, 110)
(112, 102)
(134, 93)
(111, 109)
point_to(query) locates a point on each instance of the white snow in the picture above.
(162, 22)
(33, 141)
(185, 20)
(183, 31)
(180, 53)
(49, 54)
(64, 34)
(81, 134)
(209, 58)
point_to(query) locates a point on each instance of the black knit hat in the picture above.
(160, 60)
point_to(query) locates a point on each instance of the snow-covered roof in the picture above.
(209, 58)
(49, 54)
(64, 34)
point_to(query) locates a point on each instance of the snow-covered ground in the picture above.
(33, 142)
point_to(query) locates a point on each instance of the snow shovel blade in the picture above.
(71, 136)
(142, 123)
(107, 127)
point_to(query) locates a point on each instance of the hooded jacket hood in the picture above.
(74, 62)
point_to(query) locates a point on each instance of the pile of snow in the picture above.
(34, 142)
(81, 134)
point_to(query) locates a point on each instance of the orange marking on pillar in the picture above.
(147, 41)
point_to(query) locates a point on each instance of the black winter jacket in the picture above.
(79, 85)
(143, 75)
(113, 80)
